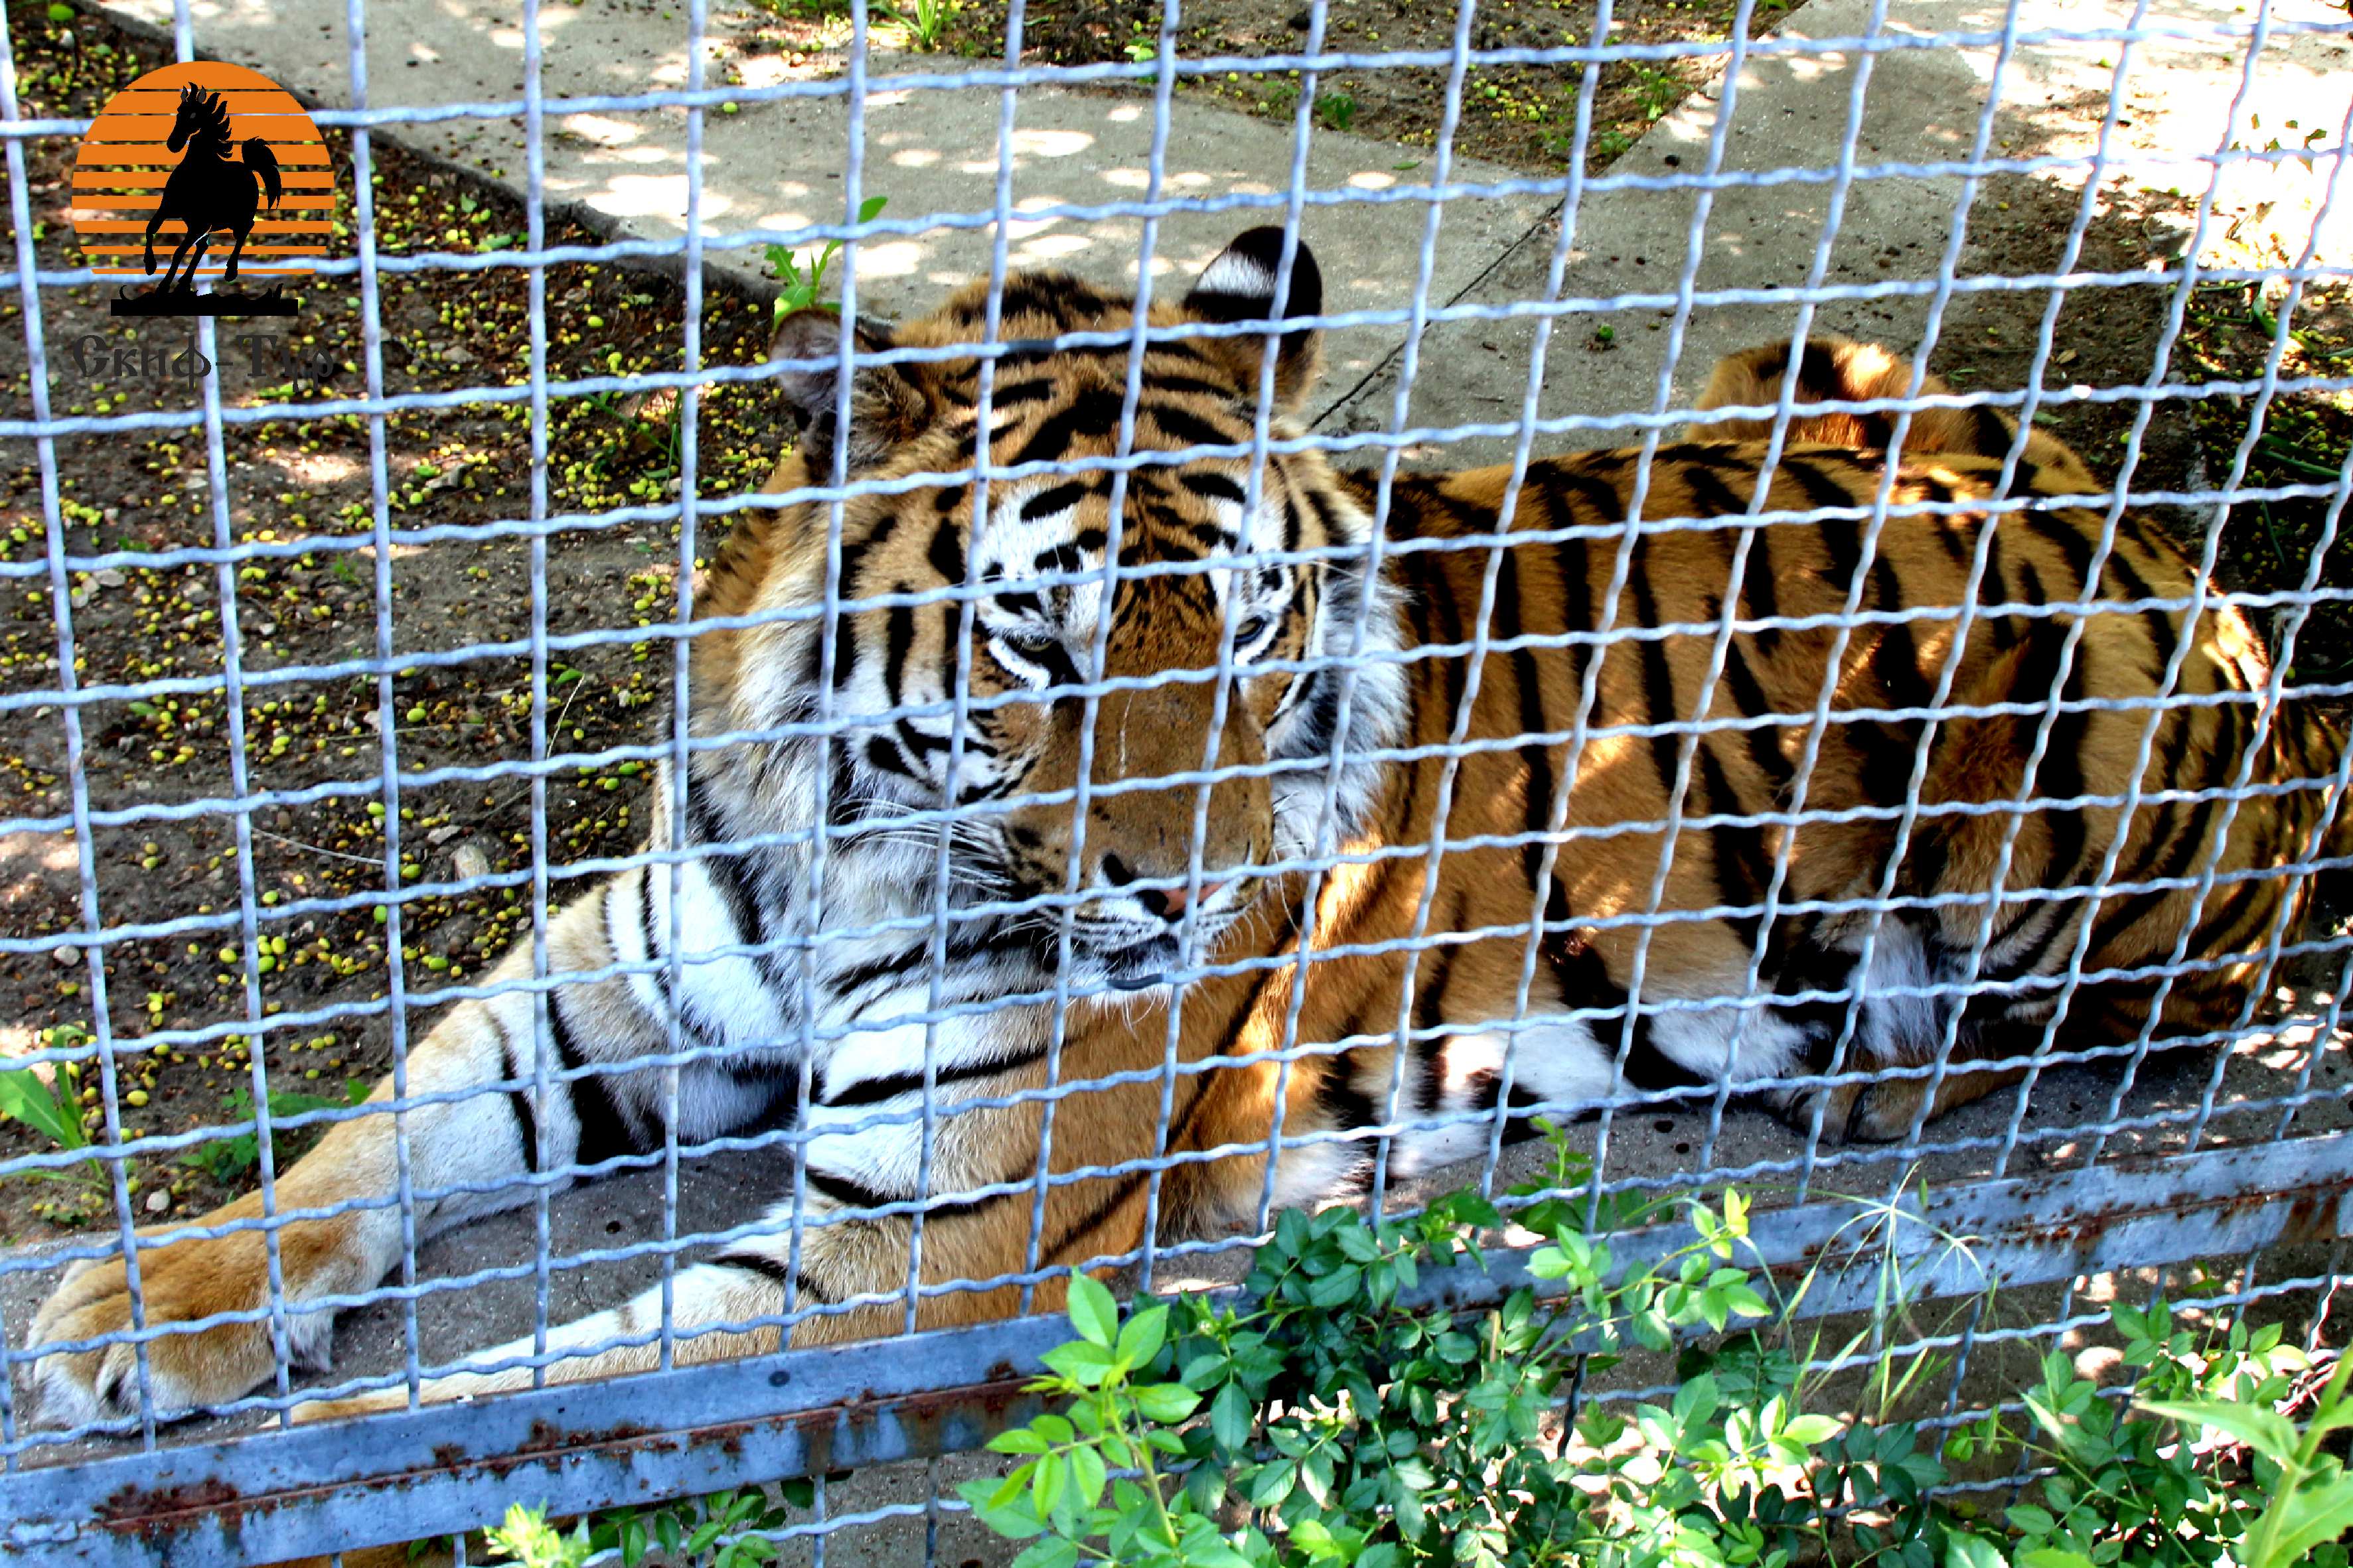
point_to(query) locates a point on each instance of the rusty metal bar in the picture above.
(280, 1495)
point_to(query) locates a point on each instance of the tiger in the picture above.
(1300, 829)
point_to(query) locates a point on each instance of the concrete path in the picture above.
(779, 164)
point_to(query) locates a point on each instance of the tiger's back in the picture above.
(1764, 873)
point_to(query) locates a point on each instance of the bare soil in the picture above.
(461, 470)
(2105, 338)
(1520, 115)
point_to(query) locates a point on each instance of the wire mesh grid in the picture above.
(731, 941)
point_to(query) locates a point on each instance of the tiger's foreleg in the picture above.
(485, 1139)
(844, 1271)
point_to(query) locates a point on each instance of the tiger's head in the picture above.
(979, 660)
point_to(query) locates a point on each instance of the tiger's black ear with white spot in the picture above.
(1239, 286)
(888, 406)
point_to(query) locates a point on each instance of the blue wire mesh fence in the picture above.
(2104, 1161)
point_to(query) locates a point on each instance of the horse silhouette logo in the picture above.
(216, 171)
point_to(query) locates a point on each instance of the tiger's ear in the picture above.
(888, 406)
(1239, 286)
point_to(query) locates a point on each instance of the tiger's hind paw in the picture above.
(1887, 1110)
(1853, 1112)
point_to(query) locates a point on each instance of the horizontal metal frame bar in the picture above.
(599, 1445)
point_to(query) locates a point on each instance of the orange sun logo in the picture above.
(203, 172)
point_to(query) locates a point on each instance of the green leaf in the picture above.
(1168, 1401)
(1336, 1288)
(1315, 1477)
(1047, 1477)
(871, 209)
(1811, 1428)
(1142, 1336)
(2032, 1519)
(61, 12)
(1013, 1520)
(2052, 1557)
(2330, 1417)
(2267, 1432)
(1229, 1418)
(1469, 1208)
(24, 1098)
(1092, 1311)
(1082, 1362)
(1086, 1475)
(1695, 1401)
(2309, 1517)
(1273, 1484)
(1053, 1551)
(1019, 1440)
(1736, 1212)
(1965, 1550)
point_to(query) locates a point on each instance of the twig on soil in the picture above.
(317, 849)
(578, 686)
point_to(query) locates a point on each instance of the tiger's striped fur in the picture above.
(1645, 940)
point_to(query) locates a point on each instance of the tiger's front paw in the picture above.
(184, 1282)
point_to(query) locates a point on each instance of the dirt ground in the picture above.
(462, 470)
(2108, 337)
(1522, 115)
(459, 469)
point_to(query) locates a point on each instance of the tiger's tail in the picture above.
(1833, 370)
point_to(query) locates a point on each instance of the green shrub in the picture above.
(803, 280)
(52, 1105)
(1329, 1423)
(1338, 1414)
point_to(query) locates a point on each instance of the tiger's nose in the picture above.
(1167, 903)
(1170, 903)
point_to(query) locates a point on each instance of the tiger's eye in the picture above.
(1028, 641)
